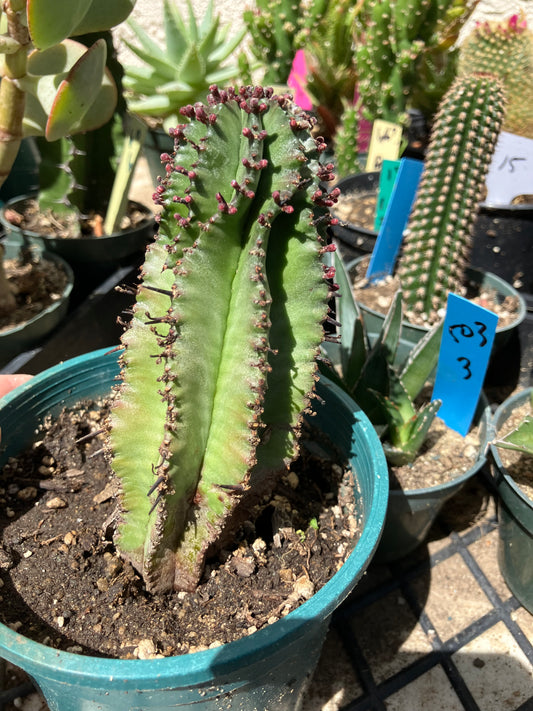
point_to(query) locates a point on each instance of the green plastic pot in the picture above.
(87, 252)
(411, 333)
(267, 671)
(411, 513)
(515, 515)
(27, 335)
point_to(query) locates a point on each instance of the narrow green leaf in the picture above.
(520, 439)
(422, 361)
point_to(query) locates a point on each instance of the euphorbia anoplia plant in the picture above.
(218, 363)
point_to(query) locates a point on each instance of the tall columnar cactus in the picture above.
(405, 54)
(437, 239)
(506, 50)
(347, 142)
(219, 360)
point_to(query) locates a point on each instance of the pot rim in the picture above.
(522, 306)
(147, 220)
(65, 294)
(501, 414)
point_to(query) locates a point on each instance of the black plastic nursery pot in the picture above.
(412, 512)
(28, 334)
(266, 671)
(515, 515)
(501, 241)
(87, 251)
(412, 333)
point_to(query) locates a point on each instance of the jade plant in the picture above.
(51, 85)
(506, 50)
(218, 362)
(194, 56)
(437, 240)
(375, 376)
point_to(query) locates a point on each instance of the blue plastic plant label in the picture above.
(396, 215)
(465, 349)
(387, 179)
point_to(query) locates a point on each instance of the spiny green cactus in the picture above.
(506, 50)
(437, 238)
(219, 360)
(385, 389)
(329, 54)
(195, 55)
(275, 27)
(405, 54)
(347, 142)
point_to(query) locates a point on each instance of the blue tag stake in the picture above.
(387, 178)
(465, 349)
(396, 215)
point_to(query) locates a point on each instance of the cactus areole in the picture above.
(218, 362)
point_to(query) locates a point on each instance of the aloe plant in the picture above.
(219, 360)
(195, 55)
(506, 50)
(373, 375)
(437, 240)
(51, 85)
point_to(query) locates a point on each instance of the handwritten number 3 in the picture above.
(466, 367)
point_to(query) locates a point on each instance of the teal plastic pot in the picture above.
(515, 516)
(88, 252)
(411, 513)
(411, 334)
(27, 335)
(267, 671)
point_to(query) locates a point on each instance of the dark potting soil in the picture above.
(29, 217)
(62, 582)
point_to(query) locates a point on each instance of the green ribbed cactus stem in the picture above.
(437, 239)
(506, 50)
(219, 359)
(346, 142)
